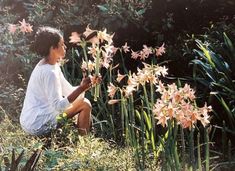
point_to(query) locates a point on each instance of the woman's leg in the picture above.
(82, 108)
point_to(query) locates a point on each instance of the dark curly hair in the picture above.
(45, 38)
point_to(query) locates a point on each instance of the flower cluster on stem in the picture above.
(98, 45)
(179, 104)
(98, 51)
(145, 52)
(23, 27)
(148, 74)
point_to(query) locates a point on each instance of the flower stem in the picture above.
(97, 70)
(83, 45)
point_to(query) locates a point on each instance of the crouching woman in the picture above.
(48, 93)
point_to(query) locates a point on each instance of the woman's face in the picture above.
(61, 49)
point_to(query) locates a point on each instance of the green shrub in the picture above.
(215, 72)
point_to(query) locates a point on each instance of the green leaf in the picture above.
(228, 111)
(207, 69)
(220, 64)
(229, 43)
(225, 91)
(138, 114)
(32, 161)
(102, 8)
(148, 120)
(141, 12)
(206, 52)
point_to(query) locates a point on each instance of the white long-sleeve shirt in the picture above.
(46, 97)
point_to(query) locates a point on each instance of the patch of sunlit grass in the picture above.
(88, 153)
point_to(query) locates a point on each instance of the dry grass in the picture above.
(88, 153)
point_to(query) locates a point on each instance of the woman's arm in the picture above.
(85, 85)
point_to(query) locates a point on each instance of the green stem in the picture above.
(123, 64)
(207, 155)
(229, 153)
(176, 156)
(174, 143)
(127, 128)
(183, 147)
(199, 153)
(83, 45)
(191, 148)
(132, 119)
(97, 70)
(126, 121)
(146, 99)
(224, 140)
(112, 106)
(152, 103)
(122, 115)
(143, 130)
(152, 129)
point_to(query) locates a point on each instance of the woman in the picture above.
(49, 93)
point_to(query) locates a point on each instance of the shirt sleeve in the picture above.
(67, 88)
(53, 91)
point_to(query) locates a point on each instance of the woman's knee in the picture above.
(87, 103)
(79, 106)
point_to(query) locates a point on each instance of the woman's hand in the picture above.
(86, 83)
(95, 79)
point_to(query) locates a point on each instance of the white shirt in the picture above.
(46, 97)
